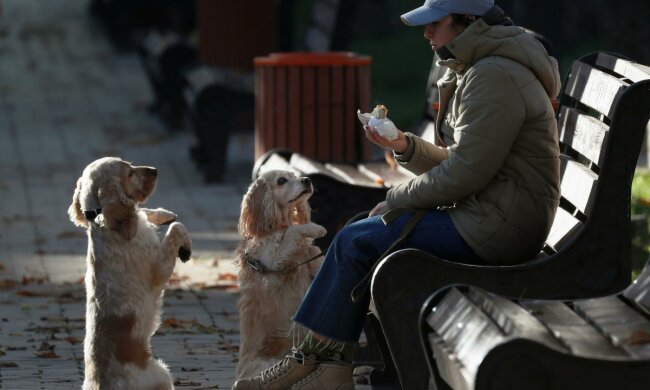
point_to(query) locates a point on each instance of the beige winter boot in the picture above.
(335, 374)
(282, 375)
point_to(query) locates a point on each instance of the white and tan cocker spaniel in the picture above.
(128, 265)
(278, 237)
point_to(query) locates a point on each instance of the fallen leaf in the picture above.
(639, 337)
(45, 350)
(29, 293)
(7, 284)
(68, 234)
(191, 369)
(32, 280)
(46, 354)
(225, 345)
(221, 287)
(228, 276)
(186, 382)
(73, 340)
(8, 364)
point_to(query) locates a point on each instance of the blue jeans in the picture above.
(328, 310)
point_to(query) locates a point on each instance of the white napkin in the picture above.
(384, 126)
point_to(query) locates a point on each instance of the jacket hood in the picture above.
(479, 40)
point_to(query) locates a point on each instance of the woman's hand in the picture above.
(380, 209)
(399, 145)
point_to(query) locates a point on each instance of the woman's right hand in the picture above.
(399, 145)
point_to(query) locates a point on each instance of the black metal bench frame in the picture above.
(592, 259)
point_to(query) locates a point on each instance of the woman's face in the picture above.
(441, 32)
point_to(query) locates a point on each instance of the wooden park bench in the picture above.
(602, 117)
(603, 114)
(478, 340)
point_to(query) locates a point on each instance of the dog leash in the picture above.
(362, 289)
(258, 266)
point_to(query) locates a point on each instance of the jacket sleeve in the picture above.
(489, 117)
(421, 155)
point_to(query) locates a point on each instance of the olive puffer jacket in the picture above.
(501, 168)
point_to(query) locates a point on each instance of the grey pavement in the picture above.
(66, 99)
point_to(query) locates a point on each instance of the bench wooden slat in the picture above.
(578, 184)
(631, 70)
(275, 161)
(309, 166)
(457, 365)
(594, 88)
(564, 226)
(351, 174)
(572, 329)
(383, 172)
(619, 322)
(584, 134)
(523, 324)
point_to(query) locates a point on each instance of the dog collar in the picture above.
(256, 264)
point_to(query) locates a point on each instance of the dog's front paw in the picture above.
(184, 254)
(316, 231)
(160, 216)
(178, 241)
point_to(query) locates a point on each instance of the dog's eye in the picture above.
(131, 174)
(282, 180)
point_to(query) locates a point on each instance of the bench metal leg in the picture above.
(399, 317)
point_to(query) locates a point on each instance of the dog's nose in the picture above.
(152, 171)
(305, 180)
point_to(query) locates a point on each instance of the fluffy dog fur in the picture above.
(275, 224)
(127, 268)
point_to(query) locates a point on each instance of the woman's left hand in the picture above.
(380, 209)
(399, 145)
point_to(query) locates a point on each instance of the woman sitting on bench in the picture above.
(487, 193)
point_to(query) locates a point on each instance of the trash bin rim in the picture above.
(330, 58)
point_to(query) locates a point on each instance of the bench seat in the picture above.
(482, 340)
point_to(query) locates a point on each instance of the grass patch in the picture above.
(640, 208)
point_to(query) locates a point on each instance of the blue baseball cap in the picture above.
(434, 10)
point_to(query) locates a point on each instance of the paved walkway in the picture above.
(66, 99)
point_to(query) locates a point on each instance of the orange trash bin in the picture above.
(307, 102)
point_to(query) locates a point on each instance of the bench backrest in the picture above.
(604, 110)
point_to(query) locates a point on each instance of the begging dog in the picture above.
(127, 268)
(278, 240)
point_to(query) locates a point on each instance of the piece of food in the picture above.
(379, 121)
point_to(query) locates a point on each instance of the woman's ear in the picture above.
(74, 211)
(119, 210)
(258, 211)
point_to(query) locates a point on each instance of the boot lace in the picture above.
(284, 365)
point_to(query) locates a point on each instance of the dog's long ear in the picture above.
(74, 211)
(301, 214)
(119, 210)
(258, 211)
